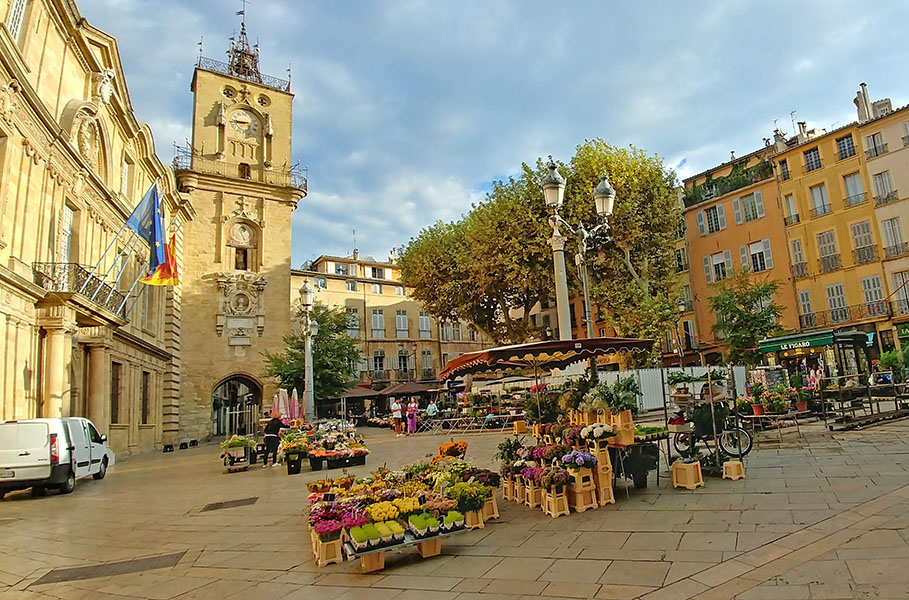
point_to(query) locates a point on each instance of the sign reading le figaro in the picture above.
(794, 345)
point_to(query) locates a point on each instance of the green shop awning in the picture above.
(797, 340)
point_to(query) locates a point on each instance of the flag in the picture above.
(148, 221)
(166, 273)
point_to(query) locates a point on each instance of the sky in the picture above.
(406, 111)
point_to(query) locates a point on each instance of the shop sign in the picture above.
(902, 330)
(794, 345)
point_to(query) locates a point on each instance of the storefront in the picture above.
(816, 350)
(902, 332)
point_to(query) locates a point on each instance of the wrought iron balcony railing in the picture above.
(77, 279)
(856, 199)
(888, 198)
(818, 211)
(428, 373)
(791, 219)
(681, 267)
(899, 307)
(896, 250)
(379, 375)
(865, 254)
(829, 263)
(875, 151)
(187, 160)
(812, 320)
(800, 270)
(210, 64)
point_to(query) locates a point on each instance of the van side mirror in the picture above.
(103, 437)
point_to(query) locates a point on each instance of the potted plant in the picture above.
(597, 436)
(453, 521)
(358, 538)
(471, 498)
(743, 404)
(554, 480)
(577, 460)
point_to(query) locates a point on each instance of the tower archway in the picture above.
(236, 405)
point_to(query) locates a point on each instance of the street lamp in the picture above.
(604, 200)
(683, 306)
(310, 329)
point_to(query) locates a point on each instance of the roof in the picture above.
(363, 260)
(728, 163)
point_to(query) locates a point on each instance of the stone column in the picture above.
(97, 395)
(59, 321)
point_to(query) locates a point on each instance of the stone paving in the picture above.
(823, 516)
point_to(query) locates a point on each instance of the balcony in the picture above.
(187, 159)
(899, 308)
(380, 375)
(813, 320)
(216, 66)
(738, 178)
(888, 198)
(855, 199)
(403, 374)
(428, 374)
(791, 219)
(73, 278)
(688, 304)
(869, 310)
(819, 211)
(829, 263)
(865, 254)
(897, 250)
(875, 151)
(800, 270)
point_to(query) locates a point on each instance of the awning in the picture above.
(407, 387)
(825, 337)
(360, 392)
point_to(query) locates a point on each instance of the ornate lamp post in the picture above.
(604, 200)
(408, 355)
(310, 329)
(678, 336)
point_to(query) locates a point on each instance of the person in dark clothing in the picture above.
(271, 438)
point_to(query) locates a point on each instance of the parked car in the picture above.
(51, 453)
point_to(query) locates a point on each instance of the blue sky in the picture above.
(407, 110)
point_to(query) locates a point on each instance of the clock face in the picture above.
(245, 122)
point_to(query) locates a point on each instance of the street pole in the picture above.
(307, 349)
(585, 283)
(561, 281)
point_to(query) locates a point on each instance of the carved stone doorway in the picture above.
(235, 405)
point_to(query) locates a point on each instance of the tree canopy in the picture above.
(334, 356)
(745, 314)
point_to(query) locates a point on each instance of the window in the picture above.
(718, 266)
(680, 229)
(681, 263)
(792, 214)
(836, 302)
(424, 325)
(241, 259)
(716, 218)
(399, 290)
(863, 242)
(798, 254)
(685, 295)
(668, 341)
(887, 342)
(806, 318)
(444, 359)
(16, 17)
(426, 360)
(377, 288)
(749, 207)
(342, 269)
(378, 323)
(874, 145)
(893, 237)
(144, 390)
(883, 188)
(905, 133)
(126, 177)
(378, 362)
(446, 332)
(402, 329)
(320, 282)
(845, 147)
(351, 285)
(403, 364)
(472, 334)
(784, 170)
(456, 332)
(66, 236)
(377, 272)
(812, 160)
(873, 292)
(244, 171)
(826, 245)
(690, 341)
(353, 322)
(854, 192)
(757, 256)
(820, 205)
(115, 369)
(901, 284)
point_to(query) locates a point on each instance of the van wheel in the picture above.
(103, 471)
(38, 491)
(69, 485)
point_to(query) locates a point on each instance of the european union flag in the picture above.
(148, 221)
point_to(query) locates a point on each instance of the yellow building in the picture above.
(74, 163)
(733, 220)
(238, 173)
(834, 203)
(398, 340)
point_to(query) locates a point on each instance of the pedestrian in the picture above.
(432, 411)
(397, 415)
(272, 428)
(413, 408)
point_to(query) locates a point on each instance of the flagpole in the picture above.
(125, 300)
(131, 249)
(136, 301)
(129, 293)
(120, 274)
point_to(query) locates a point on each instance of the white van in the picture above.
(51, 453)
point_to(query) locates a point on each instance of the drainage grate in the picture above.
(229, 504)
(112, 568)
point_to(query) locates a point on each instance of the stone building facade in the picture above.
(74, 163)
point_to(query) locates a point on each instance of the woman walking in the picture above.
(271, 438)
(413, 408)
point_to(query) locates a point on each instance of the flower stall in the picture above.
(418, 506)
(236, 451)
(335, 449)
(295, 447)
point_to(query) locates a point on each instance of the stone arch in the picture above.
(77, 119)
(236, 401)
(243, 238)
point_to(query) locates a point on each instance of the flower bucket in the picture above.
(758, 409)
(474, 519)
(801, 405)
(604, 417)
(598, 445)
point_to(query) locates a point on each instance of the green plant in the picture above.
(625, 394)
(359, 535)
(469, 495)
(544, 410)
(757, 390)
(371, 532)
(677, 377)
(700, 416)
(238, 441)
(574, 392)
(743, 404)
(890, 360)
(453, 516)
(507, 450)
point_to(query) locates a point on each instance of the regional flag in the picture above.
(148, 221)
(166, 273)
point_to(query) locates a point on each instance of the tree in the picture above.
(745, 314)
(334, 356)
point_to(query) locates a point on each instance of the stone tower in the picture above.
(236, 280)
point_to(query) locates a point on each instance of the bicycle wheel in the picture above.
(735, 442)
(682, 443)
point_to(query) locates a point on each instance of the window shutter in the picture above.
(721, 215)
(737, 210)
(702, 227)
(708, 269)
(768, 255)
(759, 203)
(743, 256)
(727, 257)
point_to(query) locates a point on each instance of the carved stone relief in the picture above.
(241, 306)
(103, 86)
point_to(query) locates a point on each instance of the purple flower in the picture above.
(579, 461)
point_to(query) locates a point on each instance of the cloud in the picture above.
(407, 110)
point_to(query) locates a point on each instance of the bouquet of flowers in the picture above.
(470, 496)
(597, 432)
(537, 452)
(238, 441)
(577, 460)
(323, 512)
(484, 476)
(328, 529)
(294, 442)
(354, 518)
(532, 474)
(555, 452)
(554, 477)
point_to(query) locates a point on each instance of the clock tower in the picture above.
(239, 176)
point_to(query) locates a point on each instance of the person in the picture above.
(413, 408)
(432, 411)
(397, 415)
(271, 438)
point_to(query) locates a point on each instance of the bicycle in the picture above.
(733, 440)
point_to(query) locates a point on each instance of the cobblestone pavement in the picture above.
(823, 516)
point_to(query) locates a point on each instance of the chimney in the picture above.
(356, 254)
(779, 140)
(393, 256)
(881, 107)
(732, 155)
(863, 103)
(803, 133)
